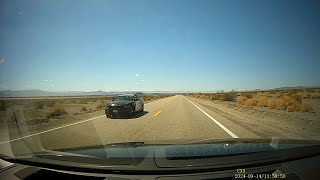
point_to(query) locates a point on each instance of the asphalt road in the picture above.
(173, 119)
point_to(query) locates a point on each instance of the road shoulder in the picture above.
(263, 123)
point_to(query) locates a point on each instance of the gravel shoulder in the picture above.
(267, 123)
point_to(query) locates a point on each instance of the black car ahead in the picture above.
(126, 104)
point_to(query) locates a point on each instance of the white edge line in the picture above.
(64, 126)
(217, 122)
(52, 129)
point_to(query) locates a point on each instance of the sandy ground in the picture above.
(263, 121)
(37, 122)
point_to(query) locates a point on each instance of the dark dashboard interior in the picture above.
(296, 170)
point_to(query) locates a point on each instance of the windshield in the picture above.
(123, 98)
(204, 71)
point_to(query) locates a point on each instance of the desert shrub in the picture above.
(292, 108)
(56, 110)
(214, 97)
(61, 101)
(99, 106)
(267, 94)
(84, 101)
(315, 95)
(81, 101)
(296, 98)
(248, 95)
(146, 98)
(272, 92)
(310, 90)
(99, 101)
(201, 96)
(294, 104)
(227, 97)
(304, 107)
(83, 108)
(280, 105)
(241, 100)
(301, 94)
(260, 94)
(39, 104)
(290, 104)
(289, 100)
(50, 103)
(283, 102)
(272, 104)
(251, 102)
(277, 94)
(293, 92)
(262, 102)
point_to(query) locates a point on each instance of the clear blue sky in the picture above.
(159, 45)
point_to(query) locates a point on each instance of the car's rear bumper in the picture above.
(123, 111)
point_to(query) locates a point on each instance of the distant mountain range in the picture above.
(35, 93)
(295, 87)
(285, 88)
(41, 93)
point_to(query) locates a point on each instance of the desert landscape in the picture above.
(80, 120)
(41, 113)
(295, 112)
(295, 100)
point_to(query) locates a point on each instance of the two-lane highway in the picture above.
(172, 119)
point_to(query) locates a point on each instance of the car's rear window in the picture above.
(124, 98)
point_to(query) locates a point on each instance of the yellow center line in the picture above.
(156, 114)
